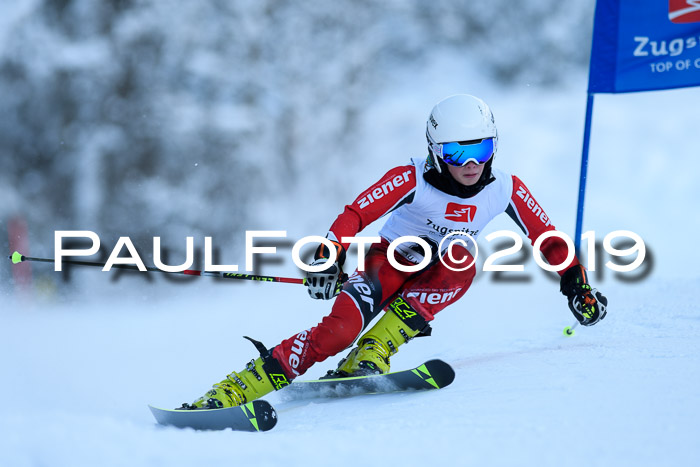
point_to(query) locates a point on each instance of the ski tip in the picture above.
(16, 257)
(443, 374)
(258, 415)
(264, 412)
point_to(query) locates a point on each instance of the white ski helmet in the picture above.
(461, 128)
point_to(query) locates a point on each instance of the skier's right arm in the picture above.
(394, 189)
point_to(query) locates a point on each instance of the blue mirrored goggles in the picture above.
(460, 153)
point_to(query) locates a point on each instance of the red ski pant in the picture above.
(365, 294)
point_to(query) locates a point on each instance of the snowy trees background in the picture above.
(146, 117)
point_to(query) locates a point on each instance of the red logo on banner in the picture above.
(684, 11)
(460, 212)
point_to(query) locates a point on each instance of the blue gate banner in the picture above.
(644, 45)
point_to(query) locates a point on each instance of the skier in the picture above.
(455, 190)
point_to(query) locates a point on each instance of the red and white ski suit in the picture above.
(417, 209)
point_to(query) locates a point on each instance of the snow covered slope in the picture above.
(77, 378)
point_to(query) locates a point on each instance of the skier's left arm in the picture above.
(586, 303)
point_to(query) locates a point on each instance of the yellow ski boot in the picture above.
(399, 324)
(260, 376)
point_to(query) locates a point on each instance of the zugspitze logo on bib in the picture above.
(460, 212)
(684, 11)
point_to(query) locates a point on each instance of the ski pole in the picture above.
(17, 258)
(569, 330)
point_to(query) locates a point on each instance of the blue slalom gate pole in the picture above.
(584, 172)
